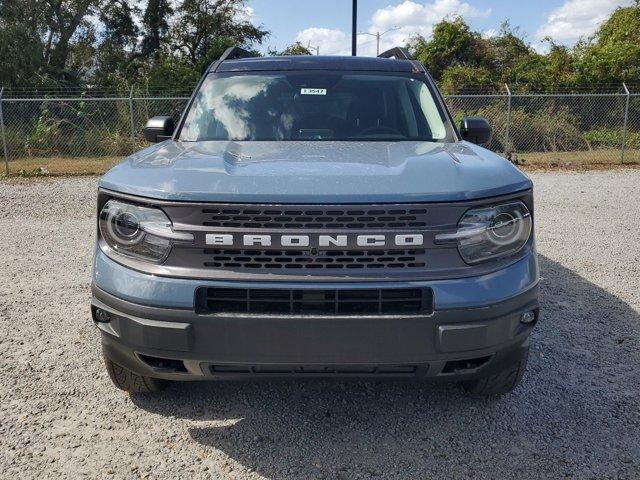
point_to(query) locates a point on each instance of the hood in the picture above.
(315, 172)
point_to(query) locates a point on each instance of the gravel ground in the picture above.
(576, 415)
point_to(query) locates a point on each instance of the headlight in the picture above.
(490, 232)
(138, 232)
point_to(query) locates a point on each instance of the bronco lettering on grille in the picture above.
(305, 241)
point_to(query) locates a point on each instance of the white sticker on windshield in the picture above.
(313, 91)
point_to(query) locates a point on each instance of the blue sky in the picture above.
(327, 23)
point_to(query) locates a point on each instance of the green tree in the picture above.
(542, 73)
(452, 43)
(116, 61)
(296, 48)
(612, 55)
(508, 50)
(171, 73)
(119, 25)
(155, 25)
(113, 43)
(20, 43)
(463, 78)
(461, 59)
(205, 28)
(63, 19)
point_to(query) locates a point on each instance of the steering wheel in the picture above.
(381, 129)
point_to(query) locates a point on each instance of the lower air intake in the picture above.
(390, 301)
(319, 370)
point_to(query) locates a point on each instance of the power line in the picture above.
(378, 35)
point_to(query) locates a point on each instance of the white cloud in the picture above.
(330, 41)
(490, 33)
(421, 15)
(577, 18)
(412, 18)
(415, 18)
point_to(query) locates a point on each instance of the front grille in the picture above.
(390, 301)
(299, 259)
(225, 240)
(380, 217)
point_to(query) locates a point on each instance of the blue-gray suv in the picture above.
(315, 216)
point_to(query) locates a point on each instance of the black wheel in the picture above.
(499, 382)
(131, 382)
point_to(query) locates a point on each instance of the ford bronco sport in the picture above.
(315, 216)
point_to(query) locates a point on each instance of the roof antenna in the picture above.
(354, 28)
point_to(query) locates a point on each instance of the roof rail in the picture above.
(233, 53)
(397, 52)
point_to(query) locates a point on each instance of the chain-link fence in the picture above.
(77, 130)
(73, 134)
(562, 129)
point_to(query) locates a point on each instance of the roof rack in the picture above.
(233, 53)
(398, 53)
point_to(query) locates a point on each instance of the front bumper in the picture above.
(466, 336)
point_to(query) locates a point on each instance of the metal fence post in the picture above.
(133, 123)
(4, 137)
(506, 131)
(626, 119)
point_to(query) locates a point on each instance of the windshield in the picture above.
(314, 106)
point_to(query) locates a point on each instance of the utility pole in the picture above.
(354, 29)
(378, 35)
(311, 47)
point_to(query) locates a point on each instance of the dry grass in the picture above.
(589, 160)
(62, 165)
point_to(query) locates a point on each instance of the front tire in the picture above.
(498, 382)
(131, 382)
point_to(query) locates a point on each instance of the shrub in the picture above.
(611, 138)
(549, 129)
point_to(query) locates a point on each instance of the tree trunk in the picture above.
(58, 57)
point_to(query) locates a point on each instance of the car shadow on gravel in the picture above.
(576, 414)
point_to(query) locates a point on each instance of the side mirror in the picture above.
(475, 129)
(158, 129)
